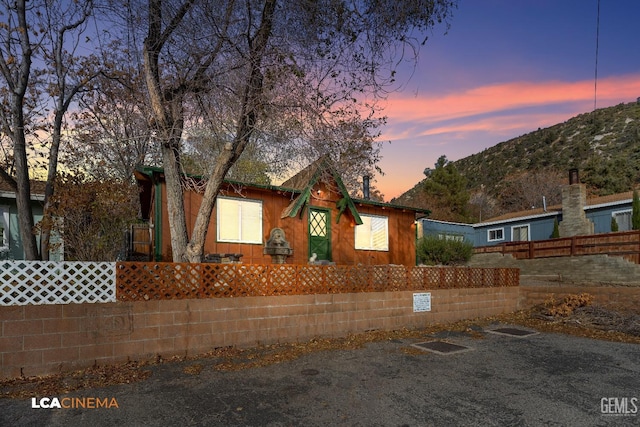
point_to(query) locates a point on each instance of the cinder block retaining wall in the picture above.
(594, 269)
(45, 339)
(627, 297)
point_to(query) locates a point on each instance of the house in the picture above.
(11, 243)
(538, 223)
(313, 208)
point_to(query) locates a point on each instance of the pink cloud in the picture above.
(458, 124)
(506, 96)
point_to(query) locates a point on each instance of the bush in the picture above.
(435, 251)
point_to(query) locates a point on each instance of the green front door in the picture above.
(320, 233)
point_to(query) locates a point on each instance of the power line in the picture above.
(595, 84)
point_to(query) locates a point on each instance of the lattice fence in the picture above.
(55, 282)
(157, 281)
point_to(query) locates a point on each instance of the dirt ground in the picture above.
(575, 315)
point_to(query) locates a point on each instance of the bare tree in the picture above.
(299, 78)
(526, 190)
(15, 63)
(112, 133)
(41, 70)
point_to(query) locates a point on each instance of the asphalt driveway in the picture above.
(501, 380)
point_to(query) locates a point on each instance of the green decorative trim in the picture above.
(158, 221)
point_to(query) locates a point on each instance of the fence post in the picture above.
(573, 245)
(531, 250)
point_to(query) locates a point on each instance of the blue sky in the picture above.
(506, 68)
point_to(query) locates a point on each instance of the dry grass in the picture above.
(574, 315)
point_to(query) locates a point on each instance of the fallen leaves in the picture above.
(94, 377)
(574, 315)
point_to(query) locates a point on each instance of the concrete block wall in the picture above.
(626, 297)
(591, 269)
(46, 339)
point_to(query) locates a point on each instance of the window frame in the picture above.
(371, 246)
(449, 236)
(623, 211)
(513, 227)
(4, 225)
(498, 239)
(241, 239)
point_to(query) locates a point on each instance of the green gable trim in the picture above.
(297, 204)
(345, 202)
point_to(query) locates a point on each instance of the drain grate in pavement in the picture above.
(512, 332)
(442, 347)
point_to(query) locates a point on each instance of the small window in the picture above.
(373, 233)
(454, 237)
(4, 227)
(623, 219)
(495, 234)
(4, 233)
(239, 221)
(520, 233)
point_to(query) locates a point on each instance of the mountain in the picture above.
(604, 145)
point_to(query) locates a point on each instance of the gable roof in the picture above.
(319, 170)
(592, 203)
(7, 191)
(301, 183)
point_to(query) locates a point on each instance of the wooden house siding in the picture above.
(401, 226)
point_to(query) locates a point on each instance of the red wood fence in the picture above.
(143, 281)
(623, 244)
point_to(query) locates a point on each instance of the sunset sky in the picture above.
(506, 68)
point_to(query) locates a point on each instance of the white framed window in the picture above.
(623, 219)
(520, 233)
(373, 233)
(239, 220)
(4, 227)
(454, 237)
(495, 234)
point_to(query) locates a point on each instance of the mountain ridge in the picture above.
(604, 145)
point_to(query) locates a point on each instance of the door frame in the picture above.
(327, 211)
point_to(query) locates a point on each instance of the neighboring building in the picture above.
(313, 208)
(537, 224)
(10, 243)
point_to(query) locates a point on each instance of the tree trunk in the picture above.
(246, 123)
(18, 84)
(47, 222)
(23, 193)
(175, 201)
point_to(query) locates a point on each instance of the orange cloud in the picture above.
(507, 96)
(462, 123)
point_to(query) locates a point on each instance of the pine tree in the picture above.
(449, 188)
(556, 229)
(635, 213)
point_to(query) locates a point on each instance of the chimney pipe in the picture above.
(365, 187)
(574, 178)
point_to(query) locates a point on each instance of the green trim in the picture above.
(390, 205)
(157, 225)
(150, 170)
(342, 204)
